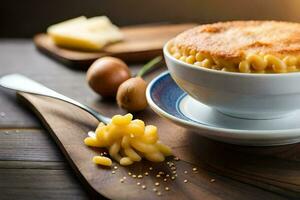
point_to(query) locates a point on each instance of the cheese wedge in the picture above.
(85, 34)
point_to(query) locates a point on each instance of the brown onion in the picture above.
(131, 94)
(106, 74)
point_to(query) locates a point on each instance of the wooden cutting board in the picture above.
(274, 169)
(141, 43)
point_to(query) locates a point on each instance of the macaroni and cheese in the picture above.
(127, 141)
(241, 46)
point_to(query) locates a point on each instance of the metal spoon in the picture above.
(21, 83)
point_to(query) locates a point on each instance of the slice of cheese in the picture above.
(85, 34)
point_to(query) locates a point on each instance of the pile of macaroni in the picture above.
(252, 63)
(128, 141)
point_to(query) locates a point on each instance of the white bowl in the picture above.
(243, 95)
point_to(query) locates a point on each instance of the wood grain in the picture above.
(32, 145)
(68, 126)
(31, 167)
(39, 184)
(140, 43)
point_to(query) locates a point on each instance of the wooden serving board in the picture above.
(140, 43)
(224, 171)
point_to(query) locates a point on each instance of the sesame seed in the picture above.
(159, 193)
(122, 180)
(138, 183)
(185, 172)
(129, 173)
(140, 176)
(150, 168)
(165, 180)
(176, 159)
(144, 187)
(113, 172)
(115, 167)
(146, 173)
(124, 177)
(173, 168)
(195, 169)
(2, 114)
(157, 184)
(167, 188)
(157, 176)
(101, 154)
(168, 163)
(161, 173)
(173, 177)
(133, 176)
(174, 172)
(168, 175)
(212, 180)
(185, 181)
(154, 189)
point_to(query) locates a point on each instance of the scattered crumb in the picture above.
(140, 176)
(176, 159)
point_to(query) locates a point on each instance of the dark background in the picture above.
(24, 18)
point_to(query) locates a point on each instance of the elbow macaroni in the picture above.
(128, 141)
(252, 63)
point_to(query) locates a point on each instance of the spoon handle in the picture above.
(23, 84)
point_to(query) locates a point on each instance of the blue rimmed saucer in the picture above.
(169, 101)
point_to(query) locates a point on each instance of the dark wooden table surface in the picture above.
(31, 165)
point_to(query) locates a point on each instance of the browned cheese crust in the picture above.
(236, 39)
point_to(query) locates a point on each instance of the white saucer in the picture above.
(169, 101)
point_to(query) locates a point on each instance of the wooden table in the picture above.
(31, 165)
